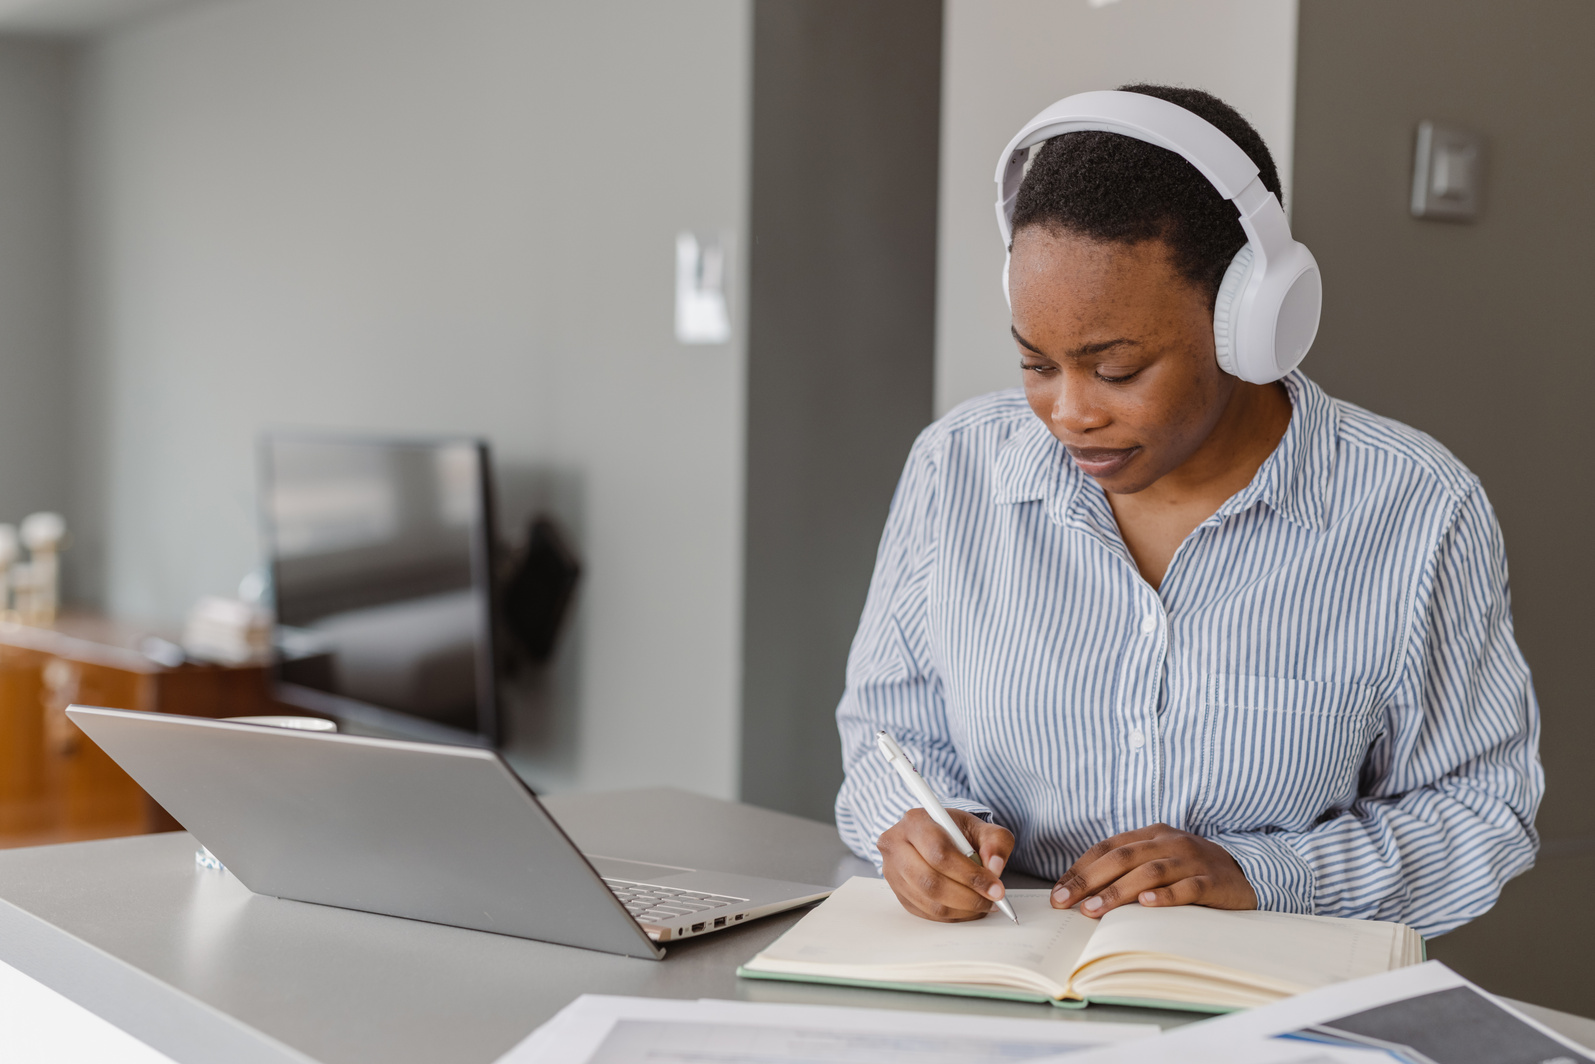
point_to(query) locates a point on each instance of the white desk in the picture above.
(194, 965)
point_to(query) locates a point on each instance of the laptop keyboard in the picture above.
(653, 904)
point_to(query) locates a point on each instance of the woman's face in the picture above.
(1117, 354)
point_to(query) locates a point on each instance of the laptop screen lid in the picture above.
(447, 834)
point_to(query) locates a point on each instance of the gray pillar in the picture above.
(841, 338)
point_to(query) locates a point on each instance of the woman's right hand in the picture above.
(931, 878)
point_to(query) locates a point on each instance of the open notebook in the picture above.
(1187, 957)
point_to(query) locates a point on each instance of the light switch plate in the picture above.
(702, 314)
(1447, 173)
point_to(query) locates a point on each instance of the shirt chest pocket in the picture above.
(1279, 753)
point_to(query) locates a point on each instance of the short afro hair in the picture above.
(1116, 189)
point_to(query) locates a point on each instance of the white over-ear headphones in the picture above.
(1268, 304)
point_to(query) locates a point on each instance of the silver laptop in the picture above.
(447, 834)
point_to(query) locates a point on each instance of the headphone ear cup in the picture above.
(1227, 305)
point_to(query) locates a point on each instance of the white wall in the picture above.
(1005, 61)
(34, 310)
(419, 216)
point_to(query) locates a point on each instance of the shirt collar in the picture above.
(1032, 465)
(1294, 481)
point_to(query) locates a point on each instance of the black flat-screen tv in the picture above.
(381, 559)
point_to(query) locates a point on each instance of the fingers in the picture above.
(941, 853)
(993, 843)
(929, 874)
(1155, 866)
(926, 893)
(1192, 891)
(1158, 873)
(1101, 865)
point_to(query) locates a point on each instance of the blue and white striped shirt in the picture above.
(1326, 684)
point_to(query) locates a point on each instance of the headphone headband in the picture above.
(1131, 114)
(1268, 311)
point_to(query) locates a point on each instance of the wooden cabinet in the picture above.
(55, 784)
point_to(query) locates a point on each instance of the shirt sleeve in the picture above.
(1450, 788)
(891, 682)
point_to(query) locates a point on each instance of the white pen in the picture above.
(932, 804)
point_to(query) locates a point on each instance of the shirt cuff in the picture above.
(969, 805)
(1280, 877)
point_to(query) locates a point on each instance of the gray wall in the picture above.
(34, 309)
(1479, 334)
(432, 216)
(840, 349)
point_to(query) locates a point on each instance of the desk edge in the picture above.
(161, 1016)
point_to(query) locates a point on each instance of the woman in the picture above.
(1171, 637)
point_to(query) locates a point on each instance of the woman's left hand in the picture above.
(1155, 866)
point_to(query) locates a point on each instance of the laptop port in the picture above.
(696, 928)
(719, 921)
(738, 916)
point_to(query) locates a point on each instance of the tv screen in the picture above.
(381, 563)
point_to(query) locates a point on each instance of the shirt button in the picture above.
(1137, 738)
(1149, 623)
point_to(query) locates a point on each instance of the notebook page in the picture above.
(862, 931)
(1301, 951)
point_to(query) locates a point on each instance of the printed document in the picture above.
(1426, 1014)
(599, 1029)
